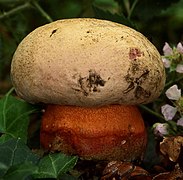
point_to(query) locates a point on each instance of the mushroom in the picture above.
(91, 73)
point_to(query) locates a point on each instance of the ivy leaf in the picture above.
(21, 171)
(14, 152)
(14, 117)
(55, 165)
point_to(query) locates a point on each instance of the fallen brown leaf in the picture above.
(171, 146)
(176, 174)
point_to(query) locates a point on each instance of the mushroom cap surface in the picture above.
(87, 62)
(113, 132)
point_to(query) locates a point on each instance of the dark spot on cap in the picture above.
(91, 82)
(53, 32)
(141, 93)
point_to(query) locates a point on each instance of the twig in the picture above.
(15, 10)
(173, 81)
(41, 10)
(127, 5)
(151, 112)
(10, 91)
(132, 8)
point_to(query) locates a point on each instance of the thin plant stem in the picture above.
(127, 5)
(173, 81)
(15, 10)
(132, 8)
(151, 112)
(41, 10)
(10, 91)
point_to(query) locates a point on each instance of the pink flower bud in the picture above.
(173, 93)
(180, 48)
(166, 62)
(179, 68)
(180, 122)
(167, 50)
(160, 129)
(168, 111)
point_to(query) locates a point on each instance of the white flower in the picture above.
(168, 111)
(167, 50)
(180, 122)
(166, 62)
(180, 48)
(179, 68)
(173, 93)
(160, 129)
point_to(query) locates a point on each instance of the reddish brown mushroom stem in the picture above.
(105, 133)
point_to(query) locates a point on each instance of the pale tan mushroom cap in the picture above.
(87, 62)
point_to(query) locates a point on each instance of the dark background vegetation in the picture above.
(159, 20)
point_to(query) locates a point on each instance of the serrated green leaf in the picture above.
(15, 152)
(101, 14)
(55, 165)
(66, 9)
(110, 5)
(147, 9)
(14, 117)
(21, 171)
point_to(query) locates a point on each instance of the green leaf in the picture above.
(11, 1)
(14, 117)
(151, 156)
(147, 9)
(68, 177)
(110, 5)
(1, 50)
(64, 9)
(21, 171)
(55, 165)
(15, 152)
(101, 14)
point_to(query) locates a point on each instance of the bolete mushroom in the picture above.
(92, 73)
